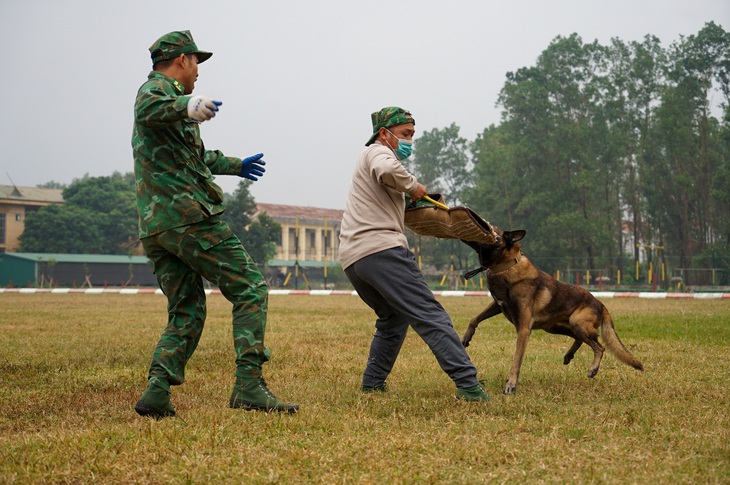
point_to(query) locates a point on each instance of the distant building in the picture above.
(15, 204)
(309, 235)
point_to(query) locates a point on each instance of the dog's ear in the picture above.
(518, 235)
(512, 237)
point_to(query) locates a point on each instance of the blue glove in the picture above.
(252, 167)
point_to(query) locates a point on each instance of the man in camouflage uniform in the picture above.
(179, 209)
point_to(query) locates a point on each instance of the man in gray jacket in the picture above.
(375, 256)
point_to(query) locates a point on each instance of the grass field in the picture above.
(72, 366)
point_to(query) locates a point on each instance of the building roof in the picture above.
(77, 258)
(292, 212)
(30, 194)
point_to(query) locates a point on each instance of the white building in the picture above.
(309, 235)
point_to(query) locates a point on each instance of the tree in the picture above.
(721, 187)
(553, 143)
(112, 200)
(52, 185)
(692, 152)
(98, 217)
(441, 163)
(594, 135)
(497, 188)
(639, 72)
(258, 236)
(239, 208)
(59, 229)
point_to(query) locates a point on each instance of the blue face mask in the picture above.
(405, 148)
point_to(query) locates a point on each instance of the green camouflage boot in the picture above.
(251, 393)
(474, 393)
(155, 402)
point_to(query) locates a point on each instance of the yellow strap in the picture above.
(436, 203)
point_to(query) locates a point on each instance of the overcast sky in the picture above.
(298, 79)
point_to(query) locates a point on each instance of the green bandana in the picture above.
(387, 117)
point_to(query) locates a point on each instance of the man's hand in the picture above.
(418, 193)
(252, 167)
(202, 109)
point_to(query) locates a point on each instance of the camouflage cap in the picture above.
(387, 117)
(175, 43)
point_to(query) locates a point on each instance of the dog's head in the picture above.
(494, 255)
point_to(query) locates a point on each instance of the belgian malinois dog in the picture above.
(532, 299)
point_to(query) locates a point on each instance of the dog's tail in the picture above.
(614, 344)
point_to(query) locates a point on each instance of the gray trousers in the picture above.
(391, 283)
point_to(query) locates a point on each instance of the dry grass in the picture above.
(72, 366)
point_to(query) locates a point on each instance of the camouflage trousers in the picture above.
(182, 257)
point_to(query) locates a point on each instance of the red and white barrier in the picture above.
(151, 291)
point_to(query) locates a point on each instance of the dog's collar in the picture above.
(505, 266)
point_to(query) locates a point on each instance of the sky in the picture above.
(298, 80)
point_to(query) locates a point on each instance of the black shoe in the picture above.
(382, 387)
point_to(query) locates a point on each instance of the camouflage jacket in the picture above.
(173, 170)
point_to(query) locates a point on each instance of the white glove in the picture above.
(202, 109)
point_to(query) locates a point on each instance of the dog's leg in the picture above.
(523, 334)
(491, 310)
(597, 356)
(584, 323)
(571, 352)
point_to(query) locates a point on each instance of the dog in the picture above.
(533, 300)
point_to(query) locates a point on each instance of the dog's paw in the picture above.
(510, 388)
(467, 337)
